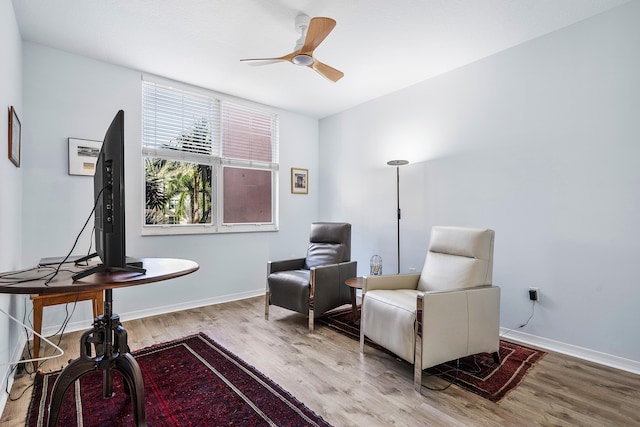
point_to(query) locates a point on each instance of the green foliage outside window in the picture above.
(180, 192)
(177, 192)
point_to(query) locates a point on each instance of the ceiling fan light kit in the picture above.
(302, 59)
(312, 32)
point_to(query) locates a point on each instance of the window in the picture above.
(211, 165)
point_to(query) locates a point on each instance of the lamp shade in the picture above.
(398, 162)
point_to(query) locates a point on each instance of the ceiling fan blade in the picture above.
(272, 60)
(259, 62)
(327, 71)
(269, 60)
(319, 29)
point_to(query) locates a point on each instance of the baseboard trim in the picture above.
(572, 350)
(190, 304)
(165, 309)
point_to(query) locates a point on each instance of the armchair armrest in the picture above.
(462, 321)
(328, 289)
(285, 265)
(332, 274)
(400, 281)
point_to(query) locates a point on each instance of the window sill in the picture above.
(169, 230)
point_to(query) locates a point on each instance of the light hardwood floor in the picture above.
(326, 371)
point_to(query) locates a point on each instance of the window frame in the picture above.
(217, 163)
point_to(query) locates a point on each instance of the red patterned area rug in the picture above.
(478, 374)
(192, 381)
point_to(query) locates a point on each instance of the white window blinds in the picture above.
(179, 124)
(248, 134)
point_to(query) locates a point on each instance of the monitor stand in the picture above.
(132, 265)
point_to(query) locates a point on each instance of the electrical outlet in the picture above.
(534, 294)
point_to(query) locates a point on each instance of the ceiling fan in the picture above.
(312, 32)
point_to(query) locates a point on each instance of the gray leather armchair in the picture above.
(315, 284)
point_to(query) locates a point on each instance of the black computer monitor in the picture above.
(108, 196)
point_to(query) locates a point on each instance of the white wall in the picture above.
(68, 95)
(542, 144)
(10, 190)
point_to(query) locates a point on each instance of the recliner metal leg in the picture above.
(266, 305)
(362, 327)
(417, 354)
(417, 366)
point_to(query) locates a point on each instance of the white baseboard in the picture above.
(190, 304)
(573, 350)
(139, 314)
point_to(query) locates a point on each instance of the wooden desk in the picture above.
(107, 338)
(42, 301)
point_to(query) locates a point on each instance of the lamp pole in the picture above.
(397, 164)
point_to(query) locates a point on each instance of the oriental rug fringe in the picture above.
(192, 381)
(478, 374)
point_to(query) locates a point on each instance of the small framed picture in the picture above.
(83, 155)
(15, 137)
(299, 181)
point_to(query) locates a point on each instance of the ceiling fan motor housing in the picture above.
(304, 60)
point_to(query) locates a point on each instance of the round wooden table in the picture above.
(354, 283)
(104, 347)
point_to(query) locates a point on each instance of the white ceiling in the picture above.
(380, 45)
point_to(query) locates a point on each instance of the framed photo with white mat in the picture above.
(83, 155)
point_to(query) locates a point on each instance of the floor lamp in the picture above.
(397, 164)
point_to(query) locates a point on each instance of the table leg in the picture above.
(37, 326)
(130, 370)
(354, 305)
(73, 371)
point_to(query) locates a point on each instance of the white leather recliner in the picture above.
(450, 310)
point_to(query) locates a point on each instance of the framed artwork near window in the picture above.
(15, 133)
(83, 155)
(299, 181)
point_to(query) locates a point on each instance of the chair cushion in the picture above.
(290, 289)
(333, 233)
(391, 310)
(323, 254)
(444, 272)
(467, 242)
